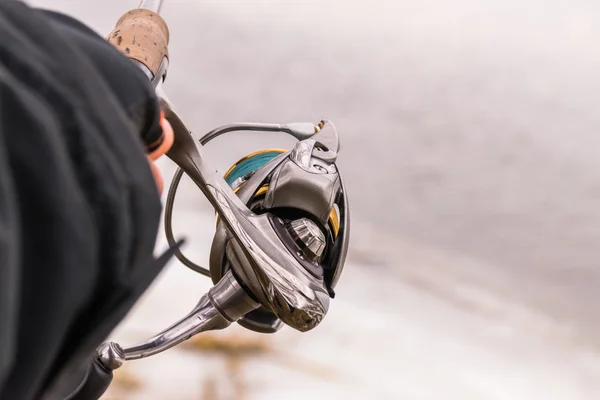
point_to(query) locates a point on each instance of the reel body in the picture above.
(303, 198)
(307, 228)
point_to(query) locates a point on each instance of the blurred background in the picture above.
(470, 139)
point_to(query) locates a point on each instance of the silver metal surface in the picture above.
(310, 235)
(328, 143)
(302, 153)
(110, 355)
(340, 246)
(268, 270)
(204, 317)
(230, 298)
(152, 5)
(144, 69)
(295, 187)
(224, 303)
(272, 274)
(299, 130)
(262, 319)
(217, 268)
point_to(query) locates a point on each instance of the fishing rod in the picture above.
(283, 220)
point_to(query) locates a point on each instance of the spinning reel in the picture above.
(283, 219)
(301, 194)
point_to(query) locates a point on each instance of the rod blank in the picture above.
(152, 5)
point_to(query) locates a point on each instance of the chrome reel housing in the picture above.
(302, 195)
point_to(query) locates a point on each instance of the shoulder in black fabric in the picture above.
(87, 205)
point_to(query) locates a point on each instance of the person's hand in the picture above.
(131, 87)
(163, 148)
(80, 131)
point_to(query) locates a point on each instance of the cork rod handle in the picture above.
(142, 35)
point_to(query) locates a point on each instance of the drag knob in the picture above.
(308, 236)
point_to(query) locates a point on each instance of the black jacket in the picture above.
(79, 209)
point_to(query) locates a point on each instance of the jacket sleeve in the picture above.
(79, 209)
(9, 261)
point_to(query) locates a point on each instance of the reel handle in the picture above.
(225, 303)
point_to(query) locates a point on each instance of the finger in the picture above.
(157, 176)
(168, 138)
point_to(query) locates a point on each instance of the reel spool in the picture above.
(302, 192)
